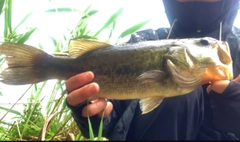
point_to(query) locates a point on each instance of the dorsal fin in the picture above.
(81, 46)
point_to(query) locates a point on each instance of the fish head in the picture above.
(221, 67)
(196, 61)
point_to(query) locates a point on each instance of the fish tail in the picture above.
(24, 64)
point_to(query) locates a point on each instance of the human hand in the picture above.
(220, 86)
(81, 89)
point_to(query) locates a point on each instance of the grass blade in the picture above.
(35, 97)
(23, 20)
(112, 19)
(112, 30)
(90, 14)
(53, 40)
(40, 46)
(15, 103)
(56, 44)
(8, 19)
(1, 6)
(25, 36)
(90, 130)
(61, 9)
(12, 111)
(133, 29)
(101, 127)
(90, 125)
(85, 11)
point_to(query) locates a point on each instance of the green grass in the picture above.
(56, 122)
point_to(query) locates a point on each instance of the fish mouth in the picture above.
(226, 60)
(218, 73)
(222, 69)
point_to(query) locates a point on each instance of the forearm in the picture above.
(226, 107)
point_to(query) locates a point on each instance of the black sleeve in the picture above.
(226, 107)
(149, 34)
(109, 122)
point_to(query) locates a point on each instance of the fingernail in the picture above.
(101, 103)
(89, 76)
(93, 88)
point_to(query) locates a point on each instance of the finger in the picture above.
(237, 78)
(219, 86)
(94, 108)
(78, 80)
(78, 96)
(209, 88)
(95, 99)
(107, 110)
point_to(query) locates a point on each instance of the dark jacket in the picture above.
(194, 116)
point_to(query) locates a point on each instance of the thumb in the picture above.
(209, 88)
(237, 78)
(218, 86)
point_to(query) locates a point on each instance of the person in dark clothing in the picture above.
(210, 112)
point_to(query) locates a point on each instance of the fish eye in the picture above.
(204, 42)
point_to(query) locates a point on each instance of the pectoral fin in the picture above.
(151, 76)
(148, 104)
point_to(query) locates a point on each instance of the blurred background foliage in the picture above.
(43, 114)
(38, 111)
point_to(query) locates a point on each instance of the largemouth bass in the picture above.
(149, 70)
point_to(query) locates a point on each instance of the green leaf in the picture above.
(133, 29)
(61, 9)
(82, 31)
(40, 46)
(101, 127)
(82, 138)
(57, 47)
(53, 40)
(23, 20)
(33, 107)
(85, 11)
(112, 19)
(90, 126)
(1, 6)
(90, 14)
(8, 19)
(6, 123)
(12, 111)
(112, 30)
(90, 130)
(25, 36)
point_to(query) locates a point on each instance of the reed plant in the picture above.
(52, 121)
